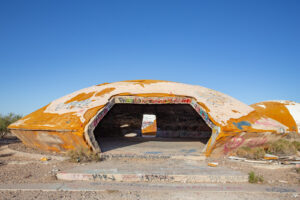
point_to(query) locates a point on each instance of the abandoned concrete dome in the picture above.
(146, 108)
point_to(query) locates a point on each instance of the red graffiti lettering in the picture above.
(233, 143)
(257, 142)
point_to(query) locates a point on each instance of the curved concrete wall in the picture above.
(285, 112)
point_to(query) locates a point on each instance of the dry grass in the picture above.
(282, 147)
(251, 153)
(83, 155)
(278, 147)
(297, 145)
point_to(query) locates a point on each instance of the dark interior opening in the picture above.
(173, 121)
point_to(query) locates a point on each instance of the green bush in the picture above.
(6, 120)
(253, 178)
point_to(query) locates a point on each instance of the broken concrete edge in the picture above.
(108, 156)
(178, 178)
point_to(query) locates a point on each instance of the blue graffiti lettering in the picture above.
(240, 125)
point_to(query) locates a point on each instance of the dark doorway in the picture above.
(173, 121)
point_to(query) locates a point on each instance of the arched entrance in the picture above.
(176, 117)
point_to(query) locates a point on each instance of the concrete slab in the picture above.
(168, 170)
(138, 147)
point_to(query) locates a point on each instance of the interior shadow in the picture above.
(175, 123)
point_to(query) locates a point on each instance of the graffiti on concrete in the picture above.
(104, 177)
(254, 142)
(102, 113)
(202, 113)
(280, 189)
(132, 177)
(166, 100)
(188, 151)
(268, 123)
(153, 100)
(149, 127)
(74, 104)
(240, 125)
(233, 143)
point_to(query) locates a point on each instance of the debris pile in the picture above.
(271, 159)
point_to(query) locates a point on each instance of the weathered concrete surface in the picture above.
(162, 170)
(285, 112)
(69, 122)
(152, 148)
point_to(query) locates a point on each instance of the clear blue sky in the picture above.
(247, 49)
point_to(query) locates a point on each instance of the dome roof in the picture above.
(285, 112)
(69, 121)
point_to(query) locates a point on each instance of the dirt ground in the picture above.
(16, 169)
(276, 177)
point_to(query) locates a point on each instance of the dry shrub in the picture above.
(253, 178)
(282, 147)
(83, 155)
(296, 145)
(251, 153)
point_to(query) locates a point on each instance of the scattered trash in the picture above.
(285, 157)
(281, 181)
(45, 159)
(258, 161)
(293, 162)
(236, 158)
(212, 164)
(270, 157)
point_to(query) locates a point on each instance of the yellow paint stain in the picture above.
(39, 120)
(105, 91)
(102, 84)
(155, 95)
(144, 82)
(91, 113)
(80, 97)
(67, 140)
(252, 117)
(151, 129)
(278, 112)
